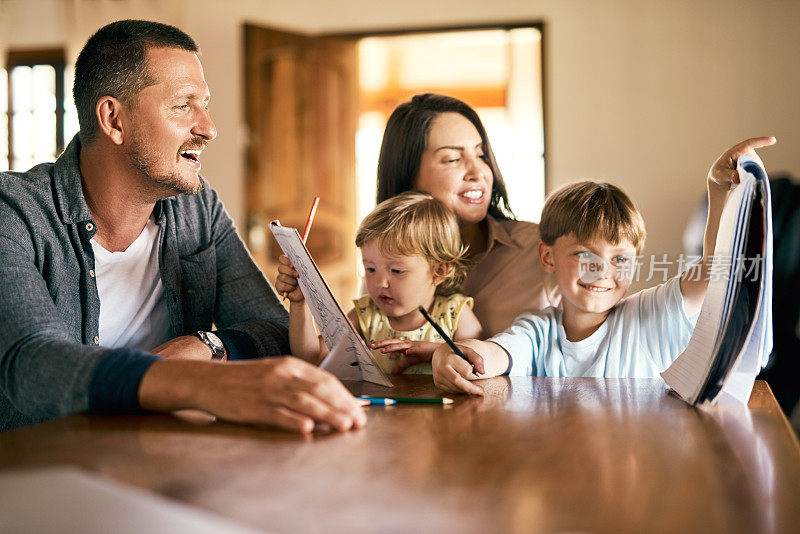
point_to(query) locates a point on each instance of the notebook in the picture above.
(732, 339)
(349, 358)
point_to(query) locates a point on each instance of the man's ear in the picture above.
(109, 117)
(546, 257)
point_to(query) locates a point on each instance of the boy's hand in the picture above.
(452, 373)
(413, 352)
(286, 283)
(723, 172)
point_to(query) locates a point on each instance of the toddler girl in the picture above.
(412, 254)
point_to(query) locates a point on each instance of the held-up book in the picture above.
(349, 358)
(732, 339)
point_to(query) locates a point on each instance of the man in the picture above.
(119, 247)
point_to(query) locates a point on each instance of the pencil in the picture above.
(378, 401)
(446, 337)
(414, 400)
(310, 218)
(307, 229)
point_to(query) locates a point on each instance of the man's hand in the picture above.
(413, 352)
(185, 348)
(284, 392)
(452, 373)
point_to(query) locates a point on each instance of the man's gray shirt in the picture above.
(50, 361)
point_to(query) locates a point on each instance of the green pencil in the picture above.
(412, 400)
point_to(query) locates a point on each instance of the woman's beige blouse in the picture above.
(508, 279)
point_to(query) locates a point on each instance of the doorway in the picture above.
(317, 106)
(497, 71)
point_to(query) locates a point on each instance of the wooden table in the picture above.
(533, 455)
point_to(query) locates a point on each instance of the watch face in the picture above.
(215, 341)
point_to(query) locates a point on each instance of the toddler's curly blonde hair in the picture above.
(416, 224)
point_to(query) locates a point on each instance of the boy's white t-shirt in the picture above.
(641, 337)
(133, 312)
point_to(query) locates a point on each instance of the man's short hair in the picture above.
(113, 62)
(592, 210)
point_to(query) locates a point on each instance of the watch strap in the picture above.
(217, 351)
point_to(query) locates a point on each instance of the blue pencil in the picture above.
(378, 401)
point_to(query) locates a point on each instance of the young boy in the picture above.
(591, 233)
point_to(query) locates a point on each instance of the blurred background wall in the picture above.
(643, 93)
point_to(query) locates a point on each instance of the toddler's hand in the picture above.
(286, 283)
(452, 373)
(413, 352)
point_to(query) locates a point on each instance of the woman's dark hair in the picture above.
(406, 137)
(113, 62)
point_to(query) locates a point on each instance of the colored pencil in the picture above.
(414, 400)
(310, 219)
(307, 229)
(446, 337)
(377, 401)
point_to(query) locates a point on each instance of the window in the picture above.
(36, 120)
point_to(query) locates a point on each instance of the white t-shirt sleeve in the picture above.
(527, 341)
(664, 328)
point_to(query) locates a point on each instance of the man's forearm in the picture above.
(174, 384)
(189, 347)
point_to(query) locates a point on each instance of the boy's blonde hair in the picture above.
(592, 210)
(416, 224)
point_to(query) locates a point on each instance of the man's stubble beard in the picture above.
(154, 184)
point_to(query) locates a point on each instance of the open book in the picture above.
(349, 358)
(732, 340)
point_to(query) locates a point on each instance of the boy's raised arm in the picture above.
(722, 174)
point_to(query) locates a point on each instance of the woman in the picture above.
(437, 144)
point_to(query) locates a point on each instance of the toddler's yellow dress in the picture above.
(375, 326)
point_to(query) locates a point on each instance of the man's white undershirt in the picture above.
(133, 312)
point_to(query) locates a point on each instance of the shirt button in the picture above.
(91, 273)
(89, 227)
(96, 340)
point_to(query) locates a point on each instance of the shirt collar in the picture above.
(498, 234)
(69, 189)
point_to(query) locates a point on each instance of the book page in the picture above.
(755, 354)
(342, 361)
(331, 320)
(689, 373)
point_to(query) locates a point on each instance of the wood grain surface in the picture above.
(533, 455)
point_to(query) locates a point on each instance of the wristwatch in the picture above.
(214, 343)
